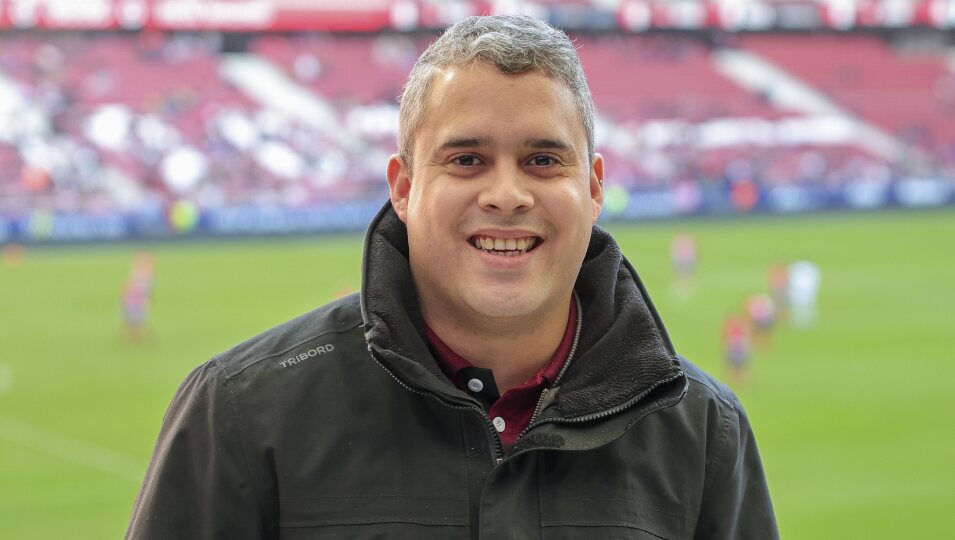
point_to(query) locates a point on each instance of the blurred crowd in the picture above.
(99, 124)
(104, 123)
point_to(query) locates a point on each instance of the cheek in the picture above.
(572, 202)
(439, 203)
(431, 218)
(419, 210)
(575, 218)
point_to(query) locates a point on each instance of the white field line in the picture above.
(70, 449)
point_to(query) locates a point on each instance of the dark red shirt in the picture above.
(510, 413)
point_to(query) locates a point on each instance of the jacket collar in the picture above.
(623, 352)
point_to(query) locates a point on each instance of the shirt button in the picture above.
(475, 385)
(499, 424)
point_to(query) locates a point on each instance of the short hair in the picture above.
(513, 45)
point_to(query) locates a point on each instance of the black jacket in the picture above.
(339, 424)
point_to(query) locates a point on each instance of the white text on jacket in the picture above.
(321, 349)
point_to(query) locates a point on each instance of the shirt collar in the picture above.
(452, 364)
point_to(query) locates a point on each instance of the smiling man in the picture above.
(502, 374)
(499, 193)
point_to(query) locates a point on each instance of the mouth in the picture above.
(505, 247)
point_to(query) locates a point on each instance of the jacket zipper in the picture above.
(570, 357)
(619, 408)
(497, 448)
(493, 437)
(608, 412)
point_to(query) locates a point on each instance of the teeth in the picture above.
(508, 247)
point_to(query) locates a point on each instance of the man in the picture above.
(502, 373)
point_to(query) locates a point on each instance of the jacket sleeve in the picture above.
(736, 503)
(198, 484)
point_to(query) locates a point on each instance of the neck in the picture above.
(514, 349)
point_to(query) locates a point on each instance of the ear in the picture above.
(399, 183)
(597, 185)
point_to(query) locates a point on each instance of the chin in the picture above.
(504, 304)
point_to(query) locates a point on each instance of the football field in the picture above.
(855, 417)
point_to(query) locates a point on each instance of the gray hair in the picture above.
(513, 45)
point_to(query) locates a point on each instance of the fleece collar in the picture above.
(623, 352)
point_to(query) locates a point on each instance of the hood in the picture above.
(622, 354)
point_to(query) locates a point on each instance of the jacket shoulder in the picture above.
(705, 386)
(336, 317)
(735, 501)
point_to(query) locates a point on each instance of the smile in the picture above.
(505, 247)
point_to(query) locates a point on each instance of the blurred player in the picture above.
(136, 297)
(684, 256)
(778, 277)
(737, 349)
(761, 313)
(803, 289)
(13, 255)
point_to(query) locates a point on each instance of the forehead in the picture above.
(480, 100)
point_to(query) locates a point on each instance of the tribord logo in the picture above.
(311, 353)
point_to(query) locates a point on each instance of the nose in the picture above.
(506, 192)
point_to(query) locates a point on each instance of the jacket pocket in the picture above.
(574, 518)
(374, 517)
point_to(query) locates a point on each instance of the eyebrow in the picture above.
(547, 144)
(476, 142)
(465, 142)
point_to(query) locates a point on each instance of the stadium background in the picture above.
(242, 143)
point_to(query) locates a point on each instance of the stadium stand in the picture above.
(126, 123)
(639, 78)
(908, 92)
(159, 122)
(326, 64)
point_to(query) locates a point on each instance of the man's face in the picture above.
(502, 198)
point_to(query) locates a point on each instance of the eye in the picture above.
(466, 160)
(543, 161)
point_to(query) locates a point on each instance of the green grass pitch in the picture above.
(855, 418)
